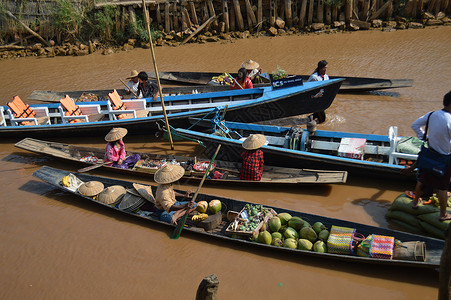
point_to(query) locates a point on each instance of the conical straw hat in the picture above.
(145, 191)
(90, 188)
(254, 141)
(131, 202)
(169, 173)
(115, 134)
(250, 65)
(133, 74)
(112, 194)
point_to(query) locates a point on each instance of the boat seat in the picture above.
(73, 113)
(2, 116)
(275, 140)
(22, 114)
(125, 109)
(333, 146)
(393, 156)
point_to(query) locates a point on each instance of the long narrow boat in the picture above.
(150, 163)
(350, 84)
(362, 154)
(434, 247)
(250, 105)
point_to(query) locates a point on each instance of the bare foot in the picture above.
(415, 205)
(446, 217)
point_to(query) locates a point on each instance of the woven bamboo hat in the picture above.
(133, 74)
(169, 173)
(90, 188)
(131, 202)
(112, 194)
(254, 141)
(145, 191)
(115, 134)
(250, 65)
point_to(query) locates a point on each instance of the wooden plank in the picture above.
(381, 10)
(239, 16)
(199, 29)
(27, 28)
(193, 13)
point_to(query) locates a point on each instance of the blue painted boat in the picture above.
(250, 105)
(368, 154)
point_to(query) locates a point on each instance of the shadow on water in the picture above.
(426, 277)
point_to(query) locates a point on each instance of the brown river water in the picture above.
(55, 246)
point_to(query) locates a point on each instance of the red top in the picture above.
(252, 166)
(246, 85)
(113, 154)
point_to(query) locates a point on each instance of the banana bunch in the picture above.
(222, 79)
(65, 181)
(199, 217)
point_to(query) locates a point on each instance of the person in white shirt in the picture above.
(132, 84)
(320, 72)
(439, 139)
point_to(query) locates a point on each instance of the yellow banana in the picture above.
(199, 217)
(65, 181)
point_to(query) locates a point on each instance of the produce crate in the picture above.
(233, 227)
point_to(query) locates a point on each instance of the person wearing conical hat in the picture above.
(253, 71)
(168, 208)
(252, 158)
(115, 150)
(133, 83)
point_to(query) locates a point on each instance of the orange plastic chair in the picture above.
(117, 103)
(71, 109)
(21, 110)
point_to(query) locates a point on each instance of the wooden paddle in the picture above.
(181, 224)
(89, 168)
(128, 88)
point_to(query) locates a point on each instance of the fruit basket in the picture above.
(250, 220)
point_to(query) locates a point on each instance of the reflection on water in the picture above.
(57, 246)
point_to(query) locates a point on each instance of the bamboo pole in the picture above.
(157, 76)
(28, 28)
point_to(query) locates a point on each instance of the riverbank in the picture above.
(174, 39)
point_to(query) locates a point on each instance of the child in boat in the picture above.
(252, 156)
(115, 150)
(168, 208)
(242, 80)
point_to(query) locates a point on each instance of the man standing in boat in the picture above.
(320, 72)
(147, 88)
(439, 139)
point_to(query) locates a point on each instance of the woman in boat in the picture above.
(242, 81)
(115, 150)
(252, 158)
(168, 208)
(320, 72)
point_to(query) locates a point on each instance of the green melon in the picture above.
(264, 237)
(274, 224)
(277, 242)
(320, 246)
(284, 218)
(291, 233)
(308, 233)
(304, 244)
(290, 243)
(324, 235)
(276, 235)
(296, 223)
(318, 226)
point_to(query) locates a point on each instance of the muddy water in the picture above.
(54, 246)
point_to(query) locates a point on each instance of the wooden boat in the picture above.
(250, 105)
(331, 150)
(434, 247)
(150, 163)
(350, 84)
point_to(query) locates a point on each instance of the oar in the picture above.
(230, 76)
(85, 169)
(181, 224)
(128, 88)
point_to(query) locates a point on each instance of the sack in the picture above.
(414, 250)
(382, 246)
(341, 240)
(430, 159)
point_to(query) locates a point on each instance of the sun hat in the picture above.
(254, 141)
(250, 65)
(145, 191)
(112, 194)
(133, 74)
(169, 173)
(90, 188)
(130, 202)
(115, 134)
